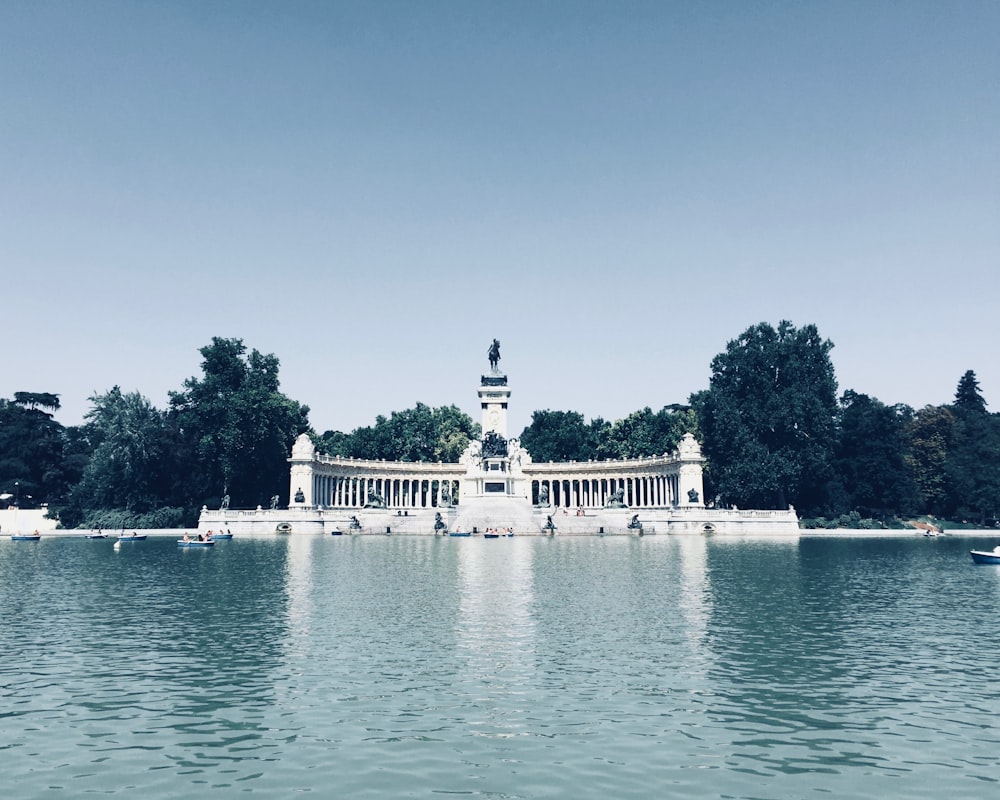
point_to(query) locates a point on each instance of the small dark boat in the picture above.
(336, 533)
(135, 537)
(25, 537)
(986, 556)
(460, 533)
(491, 535)
(225, 537)
(97, 536)
(195, 543)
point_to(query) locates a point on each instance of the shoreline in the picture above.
(835, 533)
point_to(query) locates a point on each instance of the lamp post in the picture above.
(17, 494)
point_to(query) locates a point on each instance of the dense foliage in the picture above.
(417, 434)
(768, 418)
(564, 436)
(236, 426)
(37, 462)
(772, 429)
(130, 464)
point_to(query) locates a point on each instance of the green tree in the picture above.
(968, 396)
(872, 473)
(929, 436)
(31, 449)
(421, 433)
(768, 418)
(128, 469)
(454, 430)
(972, 467)
(236, 426)
(558, 436)
(647, 433)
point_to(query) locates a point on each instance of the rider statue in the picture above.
(494, 354)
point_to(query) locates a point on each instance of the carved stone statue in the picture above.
(549, 526)
(494, 445)
(438, 522)
(299, 496)
(374, 500)
(543, 495)
(617, 500)
(693, 496)
(355, 524)
(494, 354)
(225, 503)
(634, 522)
(274, 502)
(445, 495)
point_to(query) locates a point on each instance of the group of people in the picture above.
(501, 531)
(202, 537)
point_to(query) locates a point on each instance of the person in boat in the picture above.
(208, 536)
(201, 537)
(187, 537)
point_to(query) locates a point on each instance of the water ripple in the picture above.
(388, 666)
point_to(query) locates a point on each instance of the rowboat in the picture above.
(195, 543)
(491, 535)
(25, 537)
(97, 536)
(135, 537)
(986, 556)
(223, 536)
(460, 533)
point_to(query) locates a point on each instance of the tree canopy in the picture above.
(32, 449)
(872, 474)
(236, 425)
(420, 433)
(768, 418)
(968, 396)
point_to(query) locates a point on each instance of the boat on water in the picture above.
(336, 533)
(97, 536)
(460, 533)
(491, 535)
(196, 543)
(986, 556)
(135, 537)
(223, 536)
(25, 537)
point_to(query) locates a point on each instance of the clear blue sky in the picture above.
(374, 191)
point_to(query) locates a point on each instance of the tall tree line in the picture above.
(227, 432)
(773, 428)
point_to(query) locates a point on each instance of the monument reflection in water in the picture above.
(582, 667)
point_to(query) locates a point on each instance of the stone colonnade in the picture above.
(666, 481)
(638, 491)
(412, 491)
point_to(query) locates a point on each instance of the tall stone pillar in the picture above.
(301, 484)
(691, 489)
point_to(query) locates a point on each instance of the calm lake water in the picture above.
(513, 668)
